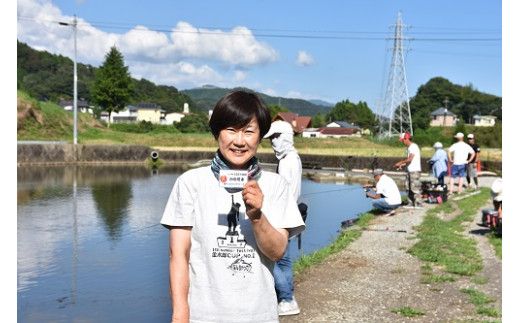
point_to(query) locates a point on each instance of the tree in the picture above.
(463, 101)
(112, 87)
(274, 109)
(194, 122)
(358, 114)
(318, 121)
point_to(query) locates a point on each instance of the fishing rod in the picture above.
(386, 230)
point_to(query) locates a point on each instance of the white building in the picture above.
(331, 132)
(311, 133)
(129, 114)
(484, 121)
(173, 117)
(68, 105)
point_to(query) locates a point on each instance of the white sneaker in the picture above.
(288, 308)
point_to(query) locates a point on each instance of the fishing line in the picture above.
(336, 190)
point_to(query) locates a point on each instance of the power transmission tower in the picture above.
(395, 116)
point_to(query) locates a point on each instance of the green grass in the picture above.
(430, 278)
(57, 125)
(476, 297)
(479, 280)
(480, 300)
(443, 242)
(342, 241)
(407, 311)
(496, 242)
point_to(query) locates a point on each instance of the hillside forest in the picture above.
(47, 77)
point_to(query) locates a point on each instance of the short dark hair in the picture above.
(236, 109)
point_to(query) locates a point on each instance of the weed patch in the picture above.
(430, 279)
(480, 300)
(408, 311)
(443, 243)
(496, 242)
(480, 280)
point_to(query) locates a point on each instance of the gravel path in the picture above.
(375, 274)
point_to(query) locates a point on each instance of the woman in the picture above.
(217, 275)
(439, 162)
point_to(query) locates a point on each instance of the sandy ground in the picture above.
(375, 274)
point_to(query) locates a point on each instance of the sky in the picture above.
(328, 50)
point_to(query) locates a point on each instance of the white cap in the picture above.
(459, 135)
(471, 136)
(437, 145)
(496, 190)
(378, 171)
(279, 126)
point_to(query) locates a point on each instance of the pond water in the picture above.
(90, 248)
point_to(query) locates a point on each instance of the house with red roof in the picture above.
(299, 123)
(336, 129)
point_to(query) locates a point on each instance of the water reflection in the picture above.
(69, 218)
(112, 201)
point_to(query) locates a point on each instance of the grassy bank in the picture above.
(496, 242)
(345, 238)
(442, 242)
(48, 121)
(445, 249)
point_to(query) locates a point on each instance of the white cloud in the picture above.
(237, 47)
(299, 95)
(141, 43)
(180, 74)
(295, 95)
(304, 58)
(38, 26)
(239, 76)
(270, 92)
(164, 58)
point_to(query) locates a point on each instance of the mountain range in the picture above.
(206, 96)
(47, 76)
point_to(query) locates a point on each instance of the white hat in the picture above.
(437, 145)
(459, 135)
(279, 126)
(378, 171)
(471, 136)
(496, 190)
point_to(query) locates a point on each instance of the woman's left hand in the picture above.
(253, 199)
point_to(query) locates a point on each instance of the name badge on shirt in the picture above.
(229, 178)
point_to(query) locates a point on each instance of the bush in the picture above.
(193, 123)
(486, 137)
(143, 127)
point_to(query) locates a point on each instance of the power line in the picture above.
(466, 54)
(264, 33)
(131, 25)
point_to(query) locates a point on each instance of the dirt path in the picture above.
(375, 274)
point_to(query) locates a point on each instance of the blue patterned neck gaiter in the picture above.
(219, 162)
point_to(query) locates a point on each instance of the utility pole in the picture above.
(396, 106)
(74, 25)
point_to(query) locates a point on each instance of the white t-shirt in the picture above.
(460, 151)
(389, 189)
(230, 279)
(415, 164)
